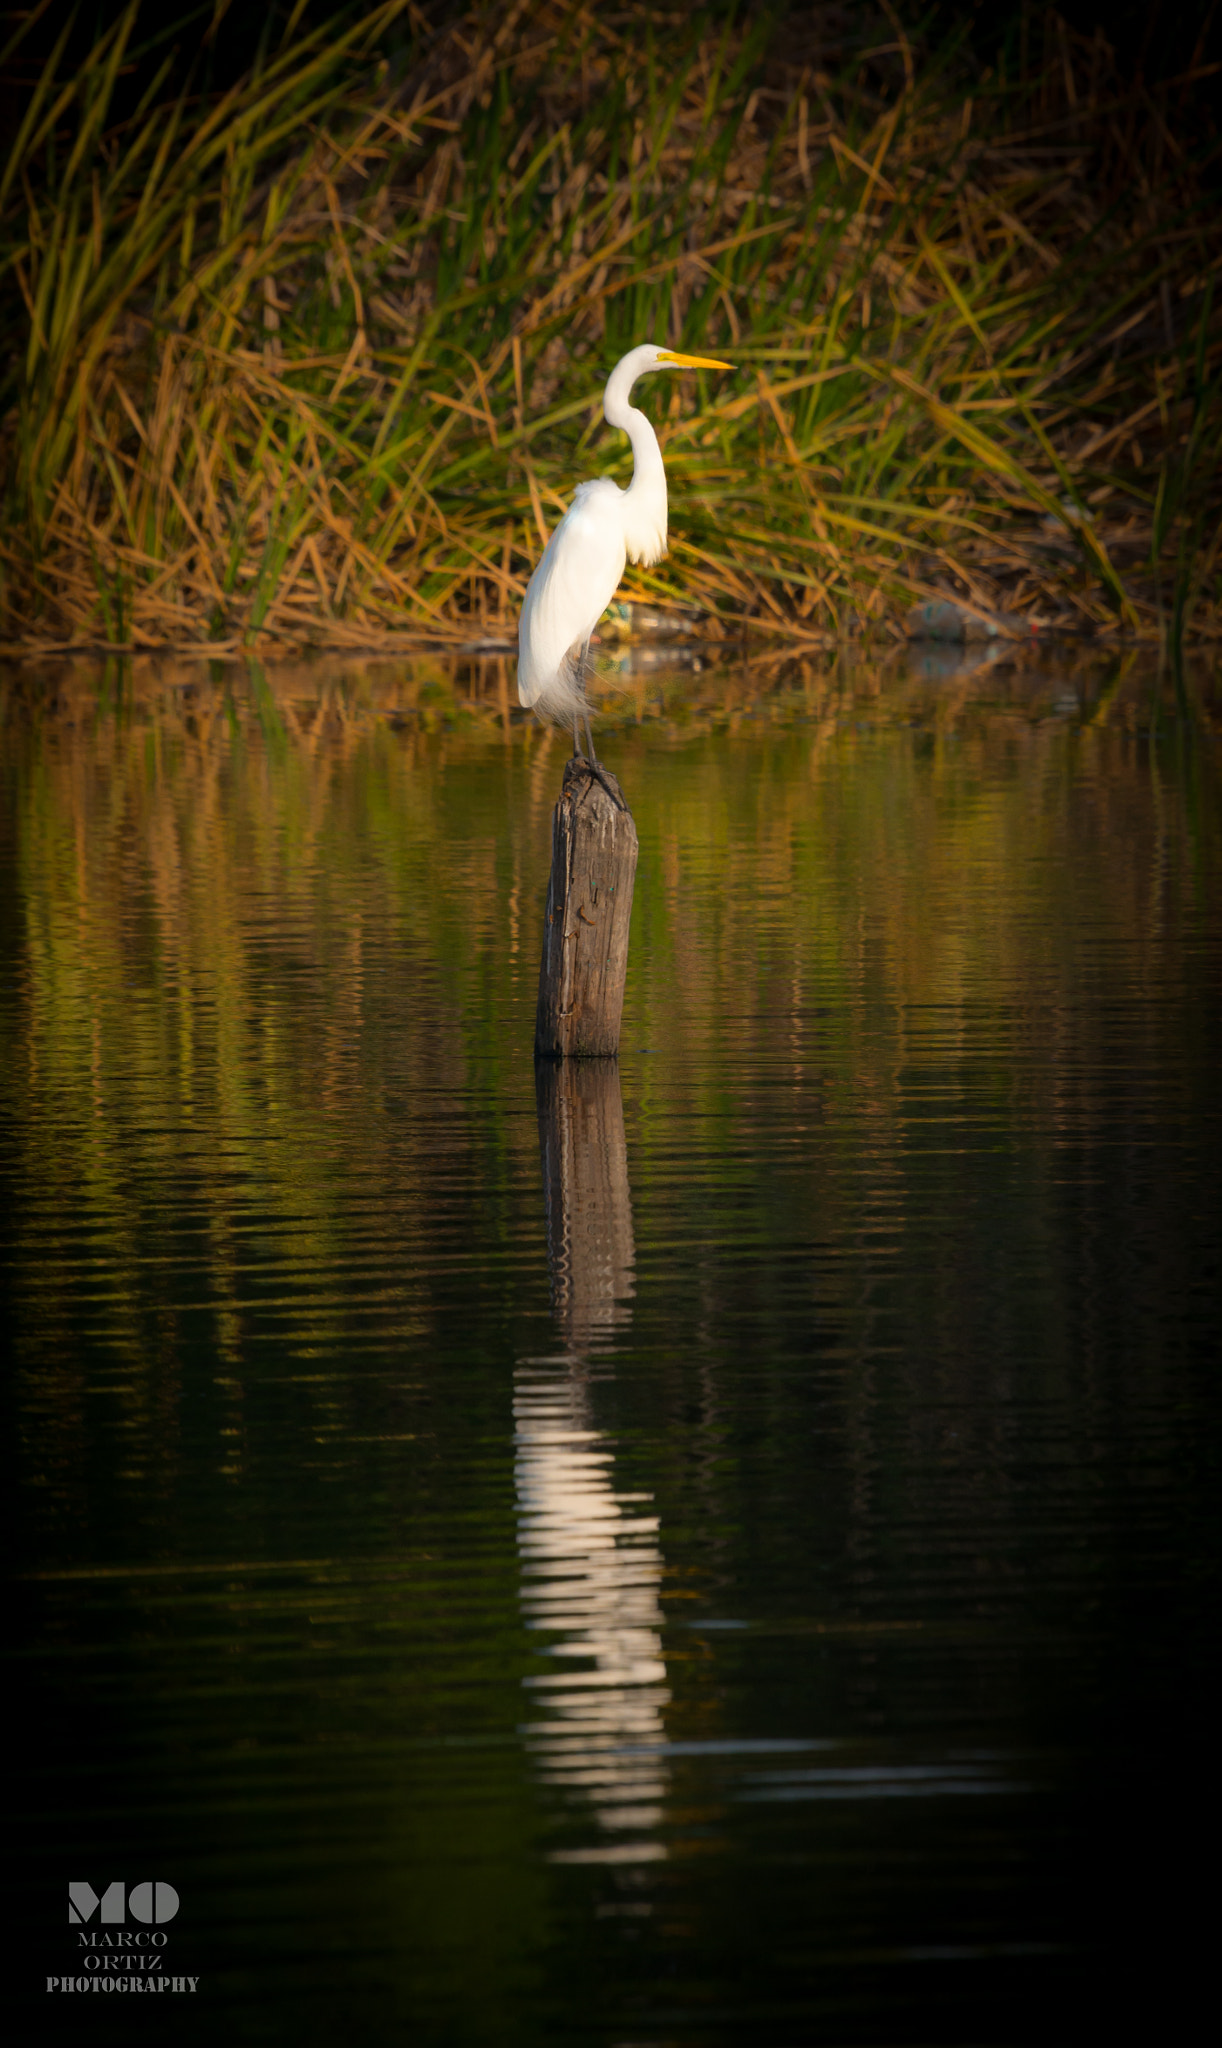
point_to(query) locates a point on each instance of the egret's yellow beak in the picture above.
(693, 362)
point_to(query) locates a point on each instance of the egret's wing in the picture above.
(575, 581)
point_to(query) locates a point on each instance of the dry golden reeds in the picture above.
(318, 360)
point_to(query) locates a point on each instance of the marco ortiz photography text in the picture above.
(113, 1957)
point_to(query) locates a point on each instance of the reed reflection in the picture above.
(591, 1562)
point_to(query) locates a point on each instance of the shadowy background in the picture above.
(215, 44)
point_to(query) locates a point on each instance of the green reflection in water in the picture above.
(272, 931)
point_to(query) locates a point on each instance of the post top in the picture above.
(586, 781)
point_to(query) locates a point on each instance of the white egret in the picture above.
(580, 568)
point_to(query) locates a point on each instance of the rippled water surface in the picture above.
(719, 1550)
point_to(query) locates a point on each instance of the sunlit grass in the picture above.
(320, 360)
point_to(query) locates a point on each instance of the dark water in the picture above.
(788, 1614)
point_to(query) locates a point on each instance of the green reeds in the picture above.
(321, 359)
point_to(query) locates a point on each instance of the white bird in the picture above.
(580, 568)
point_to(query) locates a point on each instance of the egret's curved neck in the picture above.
(648, 473)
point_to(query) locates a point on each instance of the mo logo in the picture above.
(151, 1904)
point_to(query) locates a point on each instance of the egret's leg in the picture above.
(596, 772)
(576, 741)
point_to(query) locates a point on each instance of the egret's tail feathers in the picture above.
(562, 698)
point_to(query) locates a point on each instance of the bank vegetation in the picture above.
(316, 359)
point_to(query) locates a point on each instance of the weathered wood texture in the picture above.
(585, 1188)
(589, 906)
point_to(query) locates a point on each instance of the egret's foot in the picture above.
(594, 771)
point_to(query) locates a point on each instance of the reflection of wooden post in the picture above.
(585, 1188)
(589, 904)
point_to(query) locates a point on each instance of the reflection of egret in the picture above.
(591, 1571)
(591, 1562)
(583, 561)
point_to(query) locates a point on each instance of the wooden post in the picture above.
(589, 905)
(585, 1189)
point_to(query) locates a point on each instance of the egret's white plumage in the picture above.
(580, 568)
